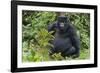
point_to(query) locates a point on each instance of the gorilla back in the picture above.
(66, 40)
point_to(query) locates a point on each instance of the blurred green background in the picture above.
(35, 36)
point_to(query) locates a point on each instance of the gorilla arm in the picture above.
(52, 28)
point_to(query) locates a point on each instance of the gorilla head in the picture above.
(62, 23)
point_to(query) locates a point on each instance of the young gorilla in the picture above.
(66, 40)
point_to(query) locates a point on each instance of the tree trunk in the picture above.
(61, 13)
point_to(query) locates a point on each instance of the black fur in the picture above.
(66, 40)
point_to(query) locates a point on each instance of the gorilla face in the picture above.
(62, 23)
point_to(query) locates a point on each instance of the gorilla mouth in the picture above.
(61, 25)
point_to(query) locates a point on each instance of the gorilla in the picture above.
(66, 40)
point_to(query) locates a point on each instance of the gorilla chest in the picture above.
(62, 40)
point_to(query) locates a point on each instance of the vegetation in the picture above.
(35, 35)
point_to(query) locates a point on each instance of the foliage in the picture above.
(57, 56)
(39, 50)
(82, 23)
(36, 37)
